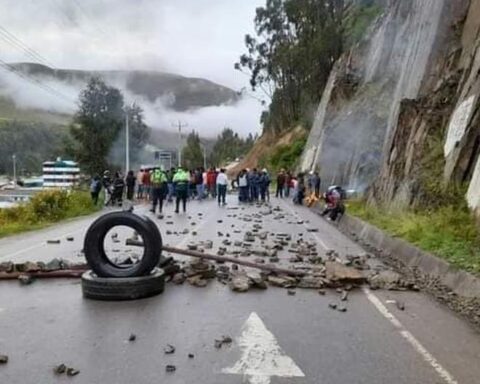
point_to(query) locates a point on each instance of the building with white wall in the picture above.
(60, 174)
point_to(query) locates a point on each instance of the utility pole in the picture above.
(127, 139)
(127, 143)
(204, 156)
(14, 158)
(180, 125)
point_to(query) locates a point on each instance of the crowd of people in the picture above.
(158, 186)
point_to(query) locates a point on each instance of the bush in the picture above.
(449, 232)
(286, 156)
(45, 208)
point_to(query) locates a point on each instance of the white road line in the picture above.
(427, 356)
(320, 241)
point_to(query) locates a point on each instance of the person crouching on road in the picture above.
(158, 182)
(181, 180)
(222, 183)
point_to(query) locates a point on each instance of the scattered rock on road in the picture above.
(3, 359)
(169, 349)
(170, 368)
(223, 340)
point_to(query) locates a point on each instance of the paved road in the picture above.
(49, 322)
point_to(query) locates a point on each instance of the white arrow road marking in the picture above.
(261, 357)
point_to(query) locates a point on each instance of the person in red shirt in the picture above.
(146, 184)
(212, 182)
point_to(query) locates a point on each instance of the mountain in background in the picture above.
(184, 92)
(20, 127)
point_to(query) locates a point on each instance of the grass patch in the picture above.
(449, 232)
(44, 209)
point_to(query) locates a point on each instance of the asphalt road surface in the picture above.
(277, 338)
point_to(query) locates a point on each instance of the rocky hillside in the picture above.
(182, 92)
(399, 115)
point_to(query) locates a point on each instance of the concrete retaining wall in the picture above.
(461, 282)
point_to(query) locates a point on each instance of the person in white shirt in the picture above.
(222, 183)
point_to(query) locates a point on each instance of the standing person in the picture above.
(263, 184)
(118, 187)
(95, 188)
(288, 184)
(317, 183)
(140, 184)
(243, 186)
(280, 184)
(222, 183)
(107, 187)
(212, 182)
(158, 182)
(310, 182)
(146, 184)
(130, 181)
(171, 189)
(181, 179)
(199, 183)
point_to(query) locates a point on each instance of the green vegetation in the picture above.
(32, 143)
(284, 156)
(192, 152)
(357, 21)
(45, 208)
(98, 123)
(297, 44)
(449, 232)
(229, 146)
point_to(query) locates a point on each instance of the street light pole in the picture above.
(127, 144)
(14, 158)
(180, 125)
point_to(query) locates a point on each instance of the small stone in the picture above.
(72, 372)
(169, 349)
(332, 305)
(291, 292)
(191, 355)
(342, 309)
(60, 369)
(220, 234)
(70, 238)
(25, 279)
(219, 221)
(53, 241)
(179, 278)
(132, 337)
(3, 359)
(170, 368)
(344, 296)
(321, 292)
(223, 340)
(192, 246)
(400, 305)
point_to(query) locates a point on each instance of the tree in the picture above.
(230, 146)
(296, 46)
(98, 121)
(192, 154)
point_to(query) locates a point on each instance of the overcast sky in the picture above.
(201, 38)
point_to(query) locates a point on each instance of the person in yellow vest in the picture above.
(180, 180)
(158, 183)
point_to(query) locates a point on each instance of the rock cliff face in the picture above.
(402, 106)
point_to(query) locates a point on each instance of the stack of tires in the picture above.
(109, 281)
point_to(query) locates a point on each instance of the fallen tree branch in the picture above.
(208, 256)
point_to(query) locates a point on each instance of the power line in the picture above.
(17, 43)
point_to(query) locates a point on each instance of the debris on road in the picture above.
(57, 241)
(170, 368)
(132, 337)
(3, 359)
(223, 340)
(60, 369)
(191, 355)
(72, 372)
(338, 272)
(169, 349)
(70, 238)
(25, 279)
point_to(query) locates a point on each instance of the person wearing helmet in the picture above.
(180, 180)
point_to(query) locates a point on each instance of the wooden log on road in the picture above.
(63, 273)
(186, 252)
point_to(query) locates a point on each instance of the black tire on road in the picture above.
(94, 249)
(127, 288)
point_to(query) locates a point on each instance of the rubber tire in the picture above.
(127, 288)
(95, 252)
